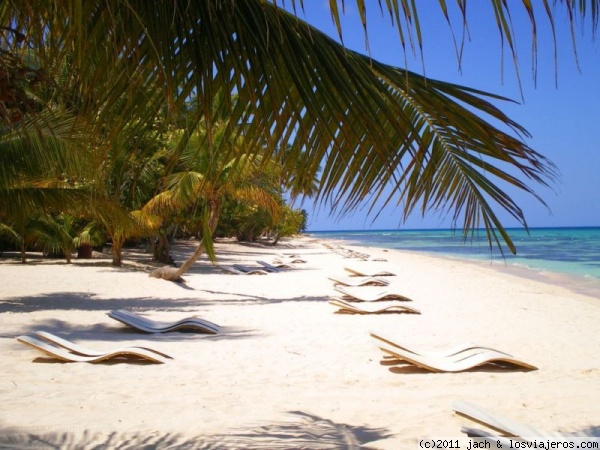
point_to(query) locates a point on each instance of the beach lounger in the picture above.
(500, 423)
(368, 272)
(65, 355)
(276, 267)
(250, 270)
(461, 349)
(238, 269)
(359, 281)
(459, 364)
(153, 326)
(374, 259)
(349, 308)
(369, 294)
(289, 260)
(84, 351)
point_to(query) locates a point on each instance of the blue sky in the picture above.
(563, 119)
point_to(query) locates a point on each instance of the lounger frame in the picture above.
(460, 349)
(345, 307)
(467, 361)
(368, 294)
(368, 273)
(153, 326)
(84, 351)
(67, 356)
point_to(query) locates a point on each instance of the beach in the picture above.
(286, 371)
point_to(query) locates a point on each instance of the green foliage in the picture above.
(249, 222)
(243, 80)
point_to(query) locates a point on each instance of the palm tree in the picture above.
(55, 234)
(50, 160)
(366, 124)
(37, 159)
(211, 168)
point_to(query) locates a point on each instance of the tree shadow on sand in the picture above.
(84, 301)
(116, 333)
(305, 431)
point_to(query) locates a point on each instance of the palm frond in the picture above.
(366, 124)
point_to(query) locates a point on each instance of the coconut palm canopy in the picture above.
(366, 125)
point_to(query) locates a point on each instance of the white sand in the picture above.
(286, 372)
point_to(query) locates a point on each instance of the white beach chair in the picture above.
(459, 363)
(370, 294)
(349, 308)
(153, 326)
(249, 270)
(288, 260)
(460, 349)
(84, 351)
(236, 269)
(359, 281)
(368, 272)
(64, 355)
(276, 267)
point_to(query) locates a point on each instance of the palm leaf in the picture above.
(368, 125)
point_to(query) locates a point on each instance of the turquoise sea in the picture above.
(564, 255)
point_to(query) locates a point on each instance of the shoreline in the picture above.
(579, 284)
(286, 371)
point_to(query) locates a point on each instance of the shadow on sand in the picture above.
(303, 431)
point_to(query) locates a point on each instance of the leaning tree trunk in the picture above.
(175, 273)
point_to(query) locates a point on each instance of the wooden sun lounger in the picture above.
(237, 269)
(442, 353)
(368, 272)
(289, 260)
(349, 308)
(84, 351)
(497, 422)
(64, 355)
(359, 281)
(250, 270)
(153, 326)
(468, 362)
(374, 259)
(276, 267)
(366, 294)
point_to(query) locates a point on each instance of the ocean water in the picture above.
(567, 255)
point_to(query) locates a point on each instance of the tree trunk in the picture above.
(276, 239)
(173, 273)
(23, 252)
(68, 255)
(117, 244)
